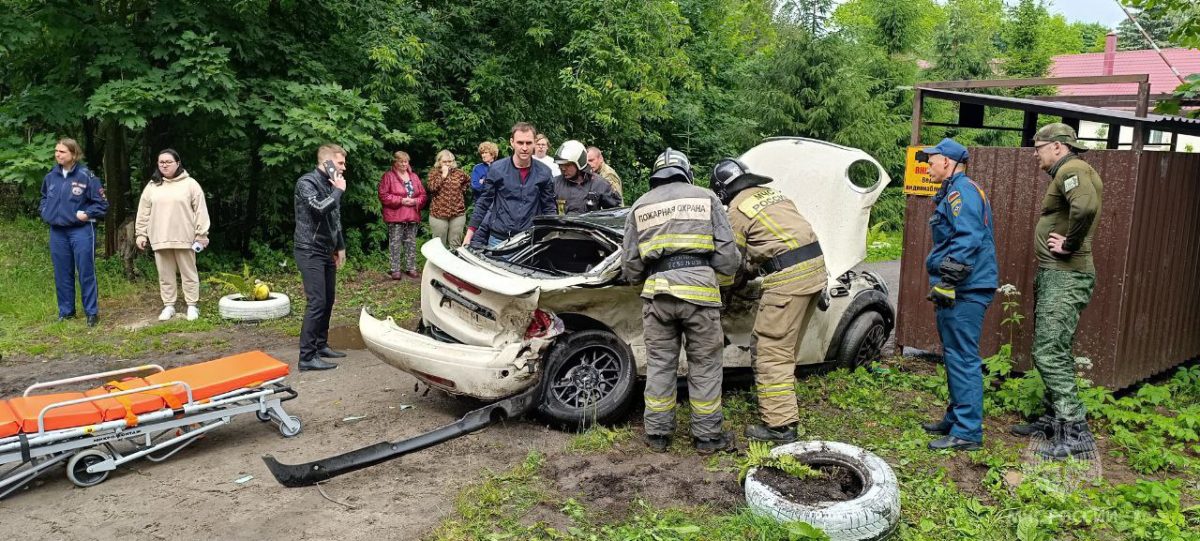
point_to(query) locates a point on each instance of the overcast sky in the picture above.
(1105, 12)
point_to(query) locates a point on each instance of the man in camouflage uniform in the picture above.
(678, 241)
(778, 244)
(1064, 283)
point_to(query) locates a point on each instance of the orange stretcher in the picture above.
(143, 411)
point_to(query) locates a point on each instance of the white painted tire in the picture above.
(872, 516)
(276, 306)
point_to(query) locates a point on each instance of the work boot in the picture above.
(1039, 425)
(1070, 439)
(954, 443)
(657, 442)
(329, 353)
(67, 316)
(941, 428)
(708, 446)
(315, 363)
(780, 434)
(92, 319)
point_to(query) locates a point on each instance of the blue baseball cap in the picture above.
(949, 148)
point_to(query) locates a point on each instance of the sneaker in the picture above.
(657, 442)
(167, 313)
(708, 446)
(193, 313)
(781, 434)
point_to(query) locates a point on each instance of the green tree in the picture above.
(1025, 31)
(1157, 20)
(963, 42)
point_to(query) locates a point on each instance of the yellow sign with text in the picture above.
(916, 176)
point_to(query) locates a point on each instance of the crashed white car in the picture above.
(549, 307)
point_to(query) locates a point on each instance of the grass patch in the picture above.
(129, 327)
(598, 439)
(987, 495)
(884, 245)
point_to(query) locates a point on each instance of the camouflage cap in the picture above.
(1060, 133)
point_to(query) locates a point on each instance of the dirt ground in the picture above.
(193, 494)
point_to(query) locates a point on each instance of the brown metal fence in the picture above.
(1144, 317)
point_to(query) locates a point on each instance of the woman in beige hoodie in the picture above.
(173, 218)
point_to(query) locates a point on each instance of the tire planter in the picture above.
(871, 516)
(231, 306)
(588, 378)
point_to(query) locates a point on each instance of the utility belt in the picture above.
(790, 257)
(680, 261)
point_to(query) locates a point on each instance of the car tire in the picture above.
(232, 307)
(594, 360)
(863, 341)
(871, 516)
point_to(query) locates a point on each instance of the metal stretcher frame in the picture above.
(25, 456)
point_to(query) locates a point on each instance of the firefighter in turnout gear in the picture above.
(777, 243)
(679, 244)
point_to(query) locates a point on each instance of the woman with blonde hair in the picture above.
(447, 185)
(172, 218)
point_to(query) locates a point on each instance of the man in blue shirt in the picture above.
(72, 200)
(515, 190)
(963, 275)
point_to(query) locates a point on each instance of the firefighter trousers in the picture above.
(666, 321)
(776, 337)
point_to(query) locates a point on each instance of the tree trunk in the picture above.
(116, 180)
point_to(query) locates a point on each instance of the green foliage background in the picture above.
(246, 90)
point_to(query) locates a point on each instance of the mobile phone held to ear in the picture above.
(330, 170)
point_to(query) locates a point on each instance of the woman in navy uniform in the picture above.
(72, 201)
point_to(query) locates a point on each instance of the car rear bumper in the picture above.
(479, 371)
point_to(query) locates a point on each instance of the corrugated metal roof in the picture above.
(1162, 80)
(1166, 123)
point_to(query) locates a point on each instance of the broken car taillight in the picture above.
(462, 284)
(538, 326)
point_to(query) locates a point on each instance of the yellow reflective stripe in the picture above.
(776, 230)
(705, 407)
(799, 271)
(724, 279)
(677, 241)
(699, 293)
(739, 239)
(660, 404)
(776, 389)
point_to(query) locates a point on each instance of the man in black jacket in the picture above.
(320, 250)
(578, 190)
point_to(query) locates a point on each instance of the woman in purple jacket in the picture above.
(403, 196)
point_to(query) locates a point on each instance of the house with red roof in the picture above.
(1113, 62)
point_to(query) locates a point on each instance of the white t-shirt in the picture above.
(549, 161)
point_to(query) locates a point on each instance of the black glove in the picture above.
(823, 300)
(953, 272)
(942, 295)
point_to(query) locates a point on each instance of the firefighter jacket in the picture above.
(673, 220)
(766, 225)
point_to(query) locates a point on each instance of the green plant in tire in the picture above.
(244, 284)
(759, 456)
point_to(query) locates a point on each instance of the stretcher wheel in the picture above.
(78, 465)
(263, 416)
(287, 432)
